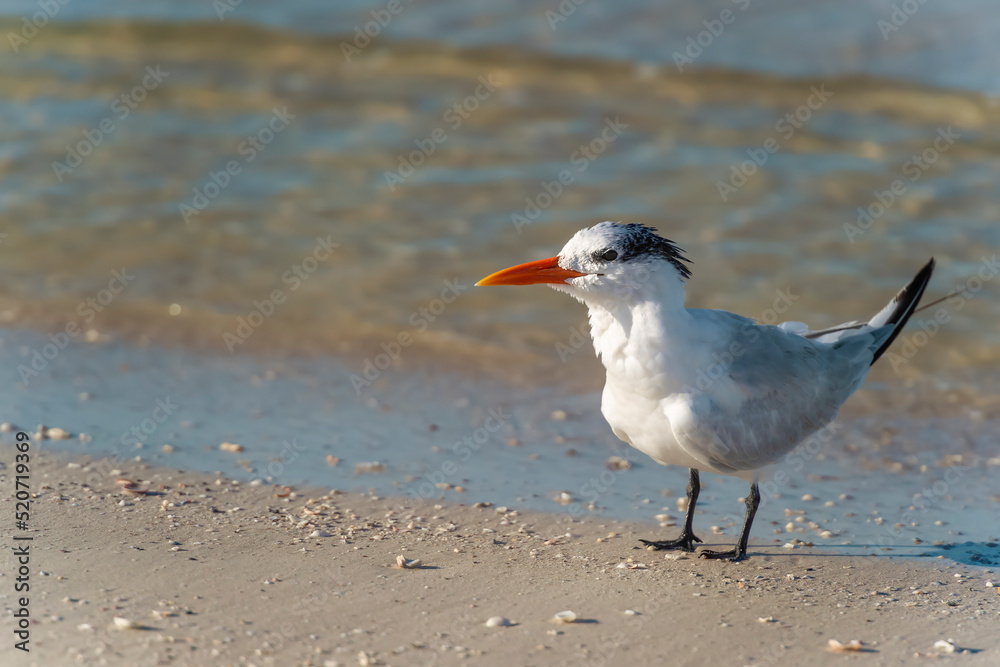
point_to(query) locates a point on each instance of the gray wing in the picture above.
(777, 392)
(785, 383)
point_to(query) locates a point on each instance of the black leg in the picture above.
(687, 539)
(740, 552)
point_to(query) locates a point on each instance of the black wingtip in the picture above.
(908, 298)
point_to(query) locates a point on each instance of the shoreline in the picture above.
(901, 469)
(209, 570)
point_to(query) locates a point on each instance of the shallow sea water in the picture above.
(874, 487)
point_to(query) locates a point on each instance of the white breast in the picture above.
(642, 377)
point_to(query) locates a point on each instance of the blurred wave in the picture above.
(221, 154)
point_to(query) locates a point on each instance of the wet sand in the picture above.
(214, 571)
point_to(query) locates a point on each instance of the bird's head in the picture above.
(607, 262)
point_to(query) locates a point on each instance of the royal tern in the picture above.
(706, 389)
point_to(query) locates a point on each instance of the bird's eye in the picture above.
(610, 255)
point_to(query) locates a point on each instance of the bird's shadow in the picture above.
(966, 553)
(969, 553)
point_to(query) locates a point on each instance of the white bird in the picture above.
(706, 389)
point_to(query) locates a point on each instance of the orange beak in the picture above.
(532, 273)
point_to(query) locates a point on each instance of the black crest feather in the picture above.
(638, 240)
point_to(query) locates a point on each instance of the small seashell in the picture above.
(565, 617)
(369, 468)
(617, 463)
(497, 622)
(332, 460)
(808, 497)
(319, 533)
(766, 619)
(124, 623)
(945, 645)
(631, 565)
(57, 434)
(682, 504)
(231, 447)
(629, 612)
(853, 645)
(128, 486)
(402, 562)
(559, 415)
(564, 498)
(168, 449)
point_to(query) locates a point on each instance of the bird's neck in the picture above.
(647, 324)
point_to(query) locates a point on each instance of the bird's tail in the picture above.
(898, 311)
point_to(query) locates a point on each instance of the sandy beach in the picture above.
(205, 570)
(262, 225)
